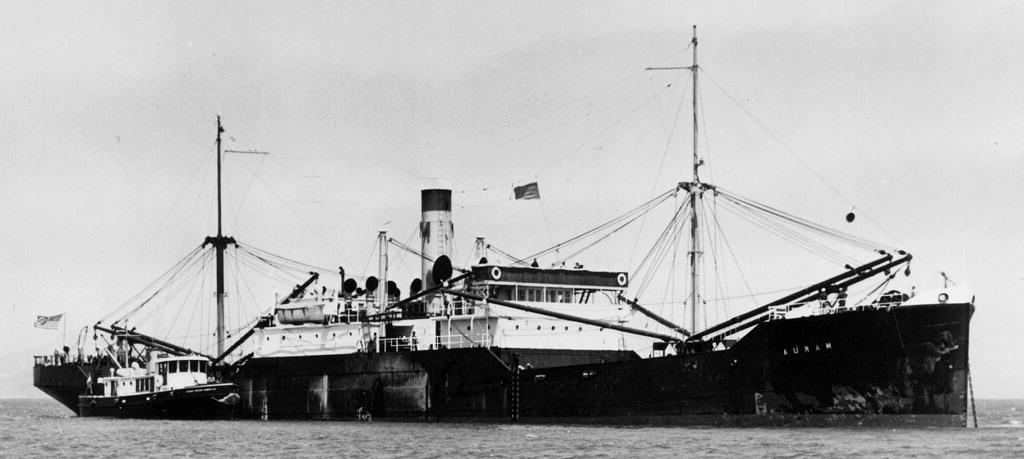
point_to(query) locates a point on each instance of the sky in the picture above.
(907, 113)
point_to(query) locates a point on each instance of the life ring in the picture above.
(621, 279)
(496, 273)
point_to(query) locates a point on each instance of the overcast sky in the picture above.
(908, 113)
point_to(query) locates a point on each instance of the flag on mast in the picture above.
(48, 322)
(528, 191)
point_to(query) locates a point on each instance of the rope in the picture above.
(802, 222)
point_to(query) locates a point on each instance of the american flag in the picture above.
(528, 191)
(48, 322)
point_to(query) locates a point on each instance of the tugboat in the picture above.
(168, 387)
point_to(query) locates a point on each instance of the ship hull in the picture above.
(207, 401)
(876, 366)
(65, 382)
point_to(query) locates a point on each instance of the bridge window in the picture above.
(530, 294)
(193, 366)
(500, 292)
(558, 295)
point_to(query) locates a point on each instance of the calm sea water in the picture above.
(43, 428)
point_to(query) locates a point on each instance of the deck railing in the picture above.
(456, 341)
(819, 308)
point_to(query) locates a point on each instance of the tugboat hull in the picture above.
(208, 401)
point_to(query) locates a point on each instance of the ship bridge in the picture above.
(547, 285)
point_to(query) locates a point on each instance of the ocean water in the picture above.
(43, 428)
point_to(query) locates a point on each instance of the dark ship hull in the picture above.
(64, 382)
(207, 401)
(877, 366)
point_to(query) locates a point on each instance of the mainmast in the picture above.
(220, 242)
(696, 190)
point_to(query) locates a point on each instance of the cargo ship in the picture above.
(517, 342)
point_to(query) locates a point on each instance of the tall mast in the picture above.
(695, 192)
(220, 252)
(219, 242)
(695, 189)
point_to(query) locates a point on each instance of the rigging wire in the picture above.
(600, 134)
(835, 234)
(779, 141)
(661, 165)
(173, 289)
(665, 243)
(550, 165)
(408, 249)
(245, 194)
(167, 215)
(732, 254)
(513, 260)
(298, 215)
(799, 159)
(302, 265)
(163, 278)
(534, 117)
(707, 135)
(787, 234)
(643, 208)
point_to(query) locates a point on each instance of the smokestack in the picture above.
(437, 232)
